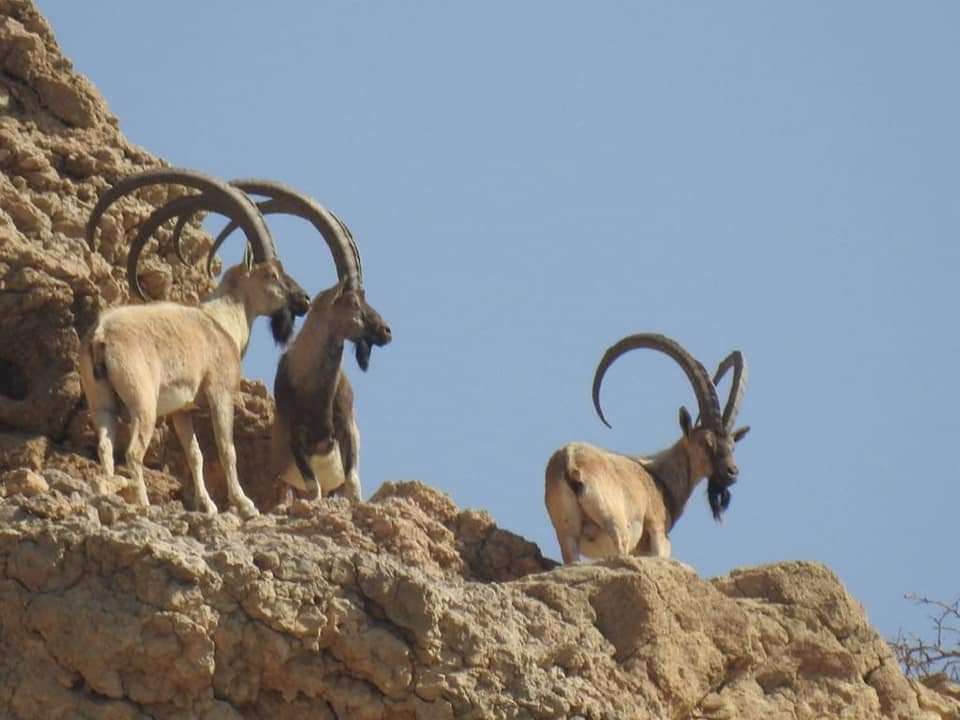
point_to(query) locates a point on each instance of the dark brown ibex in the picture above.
(315, 438)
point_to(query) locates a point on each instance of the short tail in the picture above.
(98, 358)
(572, 476)
(562, 497)
(562, 469)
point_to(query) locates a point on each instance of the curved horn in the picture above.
(737, 388)
(353, 244)
(286, 200)
(184, 207)
(176, 237)
(702, 387)
(219, 240)
(181, 206)
(214, 195)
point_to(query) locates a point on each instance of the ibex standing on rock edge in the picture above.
(315, 438)
(315, 442)
(154, 360)
(603, 503)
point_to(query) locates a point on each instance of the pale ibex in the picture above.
(603, 503)
(315, 439)
(156, 359)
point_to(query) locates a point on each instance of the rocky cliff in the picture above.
(59, 148)
(403, 607)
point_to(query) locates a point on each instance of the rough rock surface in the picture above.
(59, 149)
(406, 607)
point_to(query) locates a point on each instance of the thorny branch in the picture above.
(920, 657)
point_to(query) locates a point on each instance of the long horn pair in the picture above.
(703, 388)
(284, 199)
(215, 196)
(737, 388)
(280, 199)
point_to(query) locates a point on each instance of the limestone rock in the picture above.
(23, 481)
(20, 450)
(381, 610)
(59, 149)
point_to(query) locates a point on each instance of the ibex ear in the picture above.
(686, 424)
(248, 258)
(740, 433)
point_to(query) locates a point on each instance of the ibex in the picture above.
(603, 503)
(315, 439)
(315, 442)
(155, 360)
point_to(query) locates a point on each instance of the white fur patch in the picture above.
(328, 470)
(174, 397)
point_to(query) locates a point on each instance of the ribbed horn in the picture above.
(177, 235)
(737, 387)
(180, 206)
(214, 195)
(183, 208)
(284, 199)
(704, 390)
(353, 245)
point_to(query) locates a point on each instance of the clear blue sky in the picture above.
(528, 182)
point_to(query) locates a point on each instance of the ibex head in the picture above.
(282, 199)
(348, 316)
(712, 438)
(725, 468)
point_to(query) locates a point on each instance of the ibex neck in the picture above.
(231, 314)
(313, 364)
(673, 471)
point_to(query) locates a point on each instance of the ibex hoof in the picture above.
(246, 509)
(206, 506)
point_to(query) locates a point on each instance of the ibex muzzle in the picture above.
(375, 332)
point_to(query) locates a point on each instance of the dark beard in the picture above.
(363, 349)
(719, 498)
(281, 325)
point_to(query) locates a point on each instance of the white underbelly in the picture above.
(173, 398)
(328, 469)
